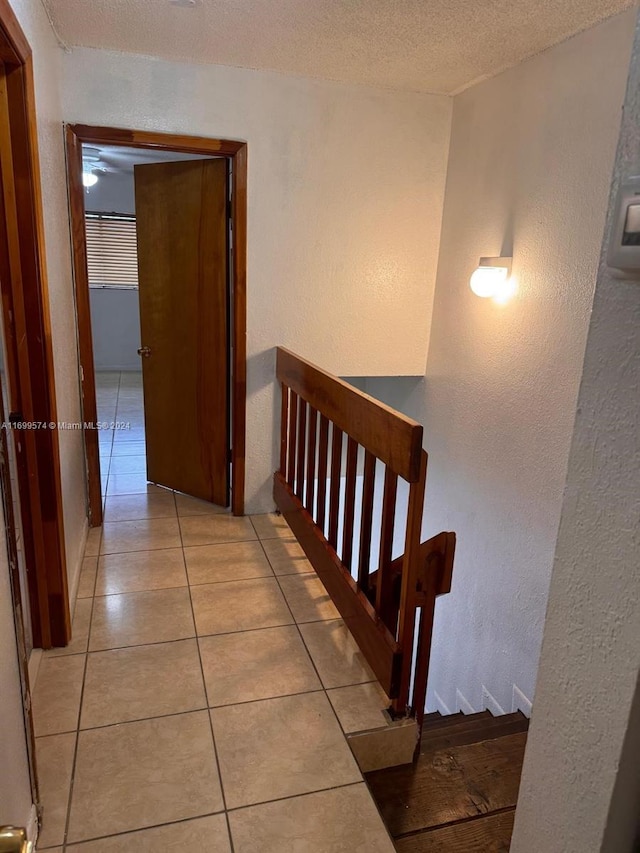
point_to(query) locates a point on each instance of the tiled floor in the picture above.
(204, 699)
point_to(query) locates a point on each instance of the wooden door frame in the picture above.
(30, 351)
(236, 152)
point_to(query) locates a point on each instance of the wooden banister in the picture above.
(389, 435)
(387, 607)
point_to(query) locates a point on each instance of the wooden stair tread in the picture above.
(450, 784)
(471, 729)
(440, 721)
(488, 834)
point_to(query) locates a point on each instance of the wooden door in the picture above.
(181, 221)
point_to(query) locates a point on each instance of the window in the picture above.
(112, 256)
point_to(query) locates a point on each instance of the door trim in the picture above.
(236, 152)
(28, 333)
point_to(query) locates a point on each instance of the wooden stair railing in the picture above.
(324, 424)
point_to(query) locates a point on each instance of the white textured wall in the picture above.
(47, 56)
(591, 651)
(114, 193)
(531, 158)
(345, 199)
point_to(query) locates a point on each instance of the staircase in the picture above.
(459, 796)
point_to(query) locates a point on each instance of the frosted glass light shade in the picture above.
(492, 279)
(487, 281)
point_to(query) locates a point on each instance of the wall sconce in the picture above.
(492, 278)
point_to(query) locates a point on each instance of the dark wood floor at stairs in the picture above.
(460, 794)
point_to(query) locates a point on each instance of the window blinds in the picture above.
(112, 256)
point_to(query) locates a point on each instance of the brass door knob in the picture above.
(145, 352)
(13, 839)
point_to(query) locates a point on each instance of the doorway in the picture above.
(191, 358)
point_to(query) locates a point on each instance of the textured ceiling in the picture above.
(438, 46)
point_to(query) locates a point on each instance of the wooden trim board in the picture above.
(28, 332)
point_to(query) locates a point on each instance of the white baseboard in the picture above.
(34, 665)
(441, 704)
(519, 702)
(463, 704)
(491, 704)
(74, 578)
(32, 828)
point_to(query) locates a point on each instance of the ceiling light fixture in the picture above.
(89, 178)
(492, 278)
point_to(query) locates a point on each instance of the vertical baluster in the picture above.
(293, 426)
(302, 447)
(349, 502)
(311, 459)
(284, 426)
(367, 520)
(323, 449)
(423, 654)
(410, 563)
(334, 494)
(384, 589)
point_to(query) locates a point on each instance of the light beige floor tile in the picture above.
(106, 414)
(188, 505)
(132, 416)
(54, 757)
(239, 606)
(129, 448)
(128, 465)
(107, 379)
(280, 748)
(256, 665)
(360, 706)
(93, 542)
(142, 681)
(344, 820)
(87, 581)
(286, 557)
(204, 834)
(308, 599)
(154, 503)
(127, 484)
(140, 774)
(134, 433)
(138, 618)
(56, 698)
(79, 631)
(136, 571)
(335, 653)
(142, 535)
(228, 562)
(212, 529)
(271, 526)
(129, 381)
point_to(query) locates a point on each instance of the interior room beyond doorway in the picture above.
(116, 241)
